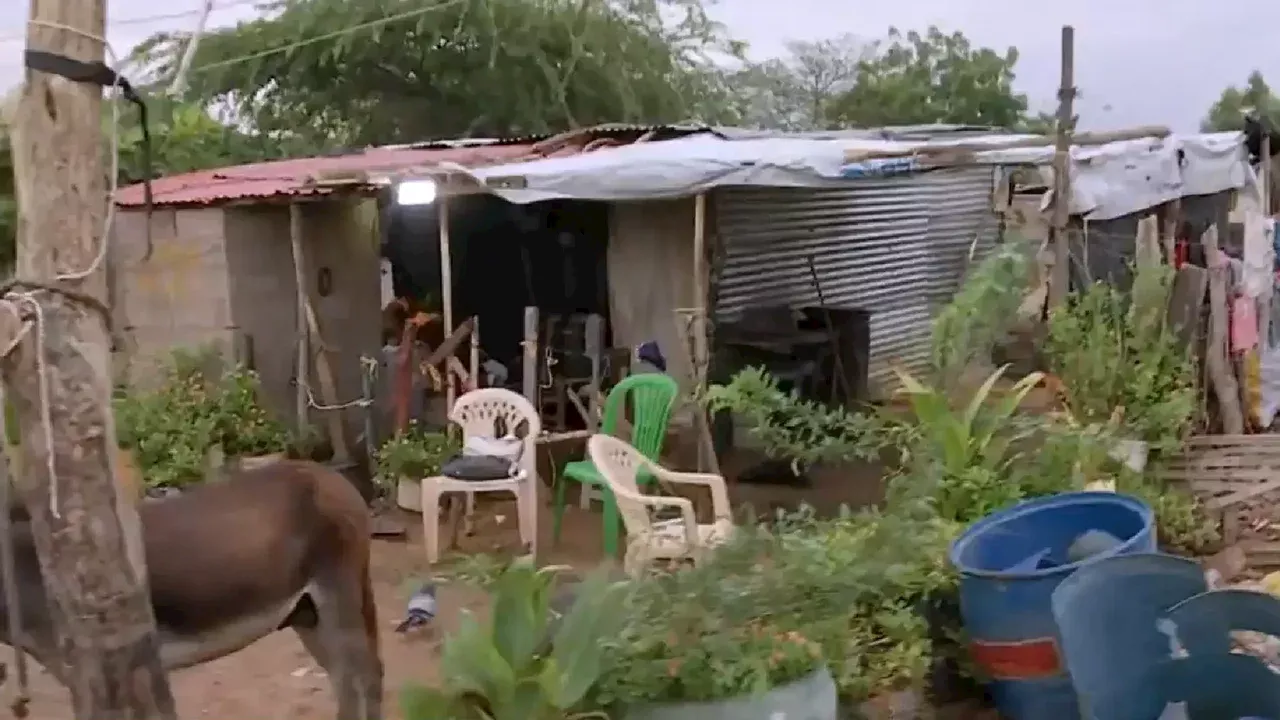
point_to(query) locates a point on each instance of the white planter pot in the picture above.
(409, 495)
(253, 462)
(812, 697)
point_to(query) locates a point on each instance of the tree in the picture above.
(410, 70)
(933, 78)
(1235, 103)
(794, 92)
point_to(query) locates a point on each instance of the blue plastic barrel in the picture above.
(1010, 563)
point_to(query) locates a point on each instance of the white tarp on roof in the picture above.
(1107, 180)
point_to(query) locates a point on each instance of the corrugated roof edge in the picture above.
(297, 176)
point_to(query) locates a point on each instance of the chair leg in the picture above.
(557, 512)
(527, 501)
(468, 515)
(431, 520)
(611, 529)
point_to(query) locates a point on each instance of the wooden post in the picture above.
(475, 352)
(87, 535)
(530, 346)
(1060, 279)
(593, 344)
(446, 290)
(303, 327)
(706, 447)
(1217, 352)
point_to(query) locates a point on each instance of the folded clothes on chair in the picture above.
(486, 458)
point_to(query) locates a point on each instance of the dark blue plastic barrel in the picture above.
(1010, 563)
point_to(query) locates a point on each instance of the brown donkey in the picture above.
(229, 562)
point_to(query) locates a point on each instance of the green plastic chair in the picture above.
(652, 397)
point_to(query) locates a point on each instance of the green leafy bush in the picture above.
(516, 665)
(415, 454)
(172, 427)
(775, 604)
(1119, 365)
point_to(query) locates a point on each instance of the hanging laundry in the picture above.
(1244, 324)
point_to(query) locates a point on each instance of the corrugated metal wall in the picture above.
(896, 247)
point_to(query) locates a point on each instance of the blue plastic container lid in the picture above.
(992, 522)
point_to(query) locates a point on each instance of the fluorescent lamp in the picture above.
(416, 192)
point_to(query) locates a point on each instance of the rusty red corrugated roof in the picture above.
(300, 176)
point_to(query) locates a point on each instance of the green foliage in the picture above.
(933, 77)
(789, 427)
(483, 67)
(1118, 363)
(500, 669)
(172, 427)
(774, 605)
(1255, 98)
(965, 331)
(415, 454)
(965, 454)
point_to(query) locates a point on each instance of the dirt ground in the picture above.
(275, 678)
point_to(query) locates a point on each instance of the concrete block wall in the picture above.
(178, 296)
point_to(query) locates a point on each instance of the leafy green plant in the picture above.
(1120, 366)
(195, 406)
(964, 455)
(169, 429)
(789, 427)
(244, 426)
(415, 454)
(776, 604)
(965, 331)
(503, 668)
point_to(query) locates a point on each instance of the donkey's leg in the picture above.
(347, 631)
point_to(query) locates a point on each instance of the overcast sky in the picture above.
(1137, 61)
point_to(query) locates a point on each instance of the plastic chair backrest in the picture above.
(1214, 687)
(1108, 615)
(652, 397)
(476, 412)
(1204, 623)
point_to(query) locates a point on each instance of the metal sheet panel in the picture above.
(896, 247)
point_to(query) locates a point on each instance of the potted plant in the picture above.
(167, 430)
(410, 456)
(522, 663)
(248, 434)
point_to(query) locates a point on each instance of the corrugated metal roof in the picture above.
(324, 175)
(305, 176)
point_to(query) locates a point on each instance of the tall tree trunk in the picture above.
(87, 535)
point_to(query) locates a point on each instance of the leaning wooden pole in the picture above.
(1060, 279)
(58, 375)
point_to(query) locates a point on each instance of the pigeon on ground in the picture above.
(421, 611)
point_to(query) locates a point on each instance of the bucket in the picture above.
(1009, 564)
(1108, 618)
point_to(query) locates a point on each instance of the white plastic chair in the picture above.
(680, 539)
(475, 412)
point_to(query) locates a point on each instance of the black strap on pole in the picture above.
(98, 73)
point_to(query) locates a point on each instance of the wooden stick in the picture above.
(328, 388)
(451, 343)
(530, 347)
(87, 535)
(698, 327)
(475, 352)
(446, 286)
(1217, 359)
(301, 411)
(1060, 279)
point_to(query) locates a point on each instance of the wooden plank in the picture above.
(1237, 440)
(530, 347)
(451, 343)
(1229, 500)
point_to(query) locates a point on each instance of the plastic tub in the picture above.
(1009, 564)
